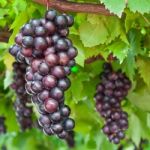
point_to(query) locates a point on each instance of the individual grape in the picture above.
(37, 76)
(64, 84)
(13, 50)
(70, 20)
(35, 64)
(51, 59)
(69, 124)
(61, 21)
(40, 31)
(49, 81)
(18, 38)
(36, 86)
(72, 52)
(35, 22)
(58, 71)
(43, 95)
(44, 121)
(56, 93)
(43, 68)
(50, 27)
(65, 111)
(57, 128)
(40, 43)
(50, 14)
(27, 41)
(27, 30)
(50, 105)
(63, 58)
(61, 45)
(56, 116)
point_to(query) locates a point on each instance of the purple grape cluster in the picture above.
(23, 111)
(110, 92)
(44, 46)
(2, 125)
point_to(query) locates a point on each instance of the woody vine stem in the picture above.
(65, 6)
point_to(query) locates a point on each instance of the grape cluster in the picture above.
(2, 125)
(44, 46)
(23, 111)
(110, 92)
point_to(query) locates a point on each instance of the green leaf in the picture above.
(3, 3)
(144, 69)
(3, 12)
(141, 99)
(116, 6)
(8, 79)
(18, 22)
(92, 34)
(128, 65)
(19, 5)
(142, 6)
(135, 129)
(119, 49)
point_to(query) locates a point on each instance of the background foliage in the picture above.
(126, 35)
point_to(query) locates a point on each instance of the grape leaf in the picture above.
(19, 5)
(18, 22)
(142, 6)
(8, 79)
(3, 3)
(135, 129)
(116, 6)
(141, 99)
(144, 69)
(119, 49)
(93, 34)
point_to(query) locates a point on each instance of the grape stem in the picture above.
(65, 6)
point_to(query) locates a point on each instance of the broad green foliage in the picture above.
(126, 36)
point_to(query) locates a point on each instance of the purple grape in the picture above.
(27, 41)
(43, 68)
(58, 71)
(63, 58)
(50, 27)
(56, 93)
(50, 14)
(51, 59)
(49, 81)
(69, 124)
(40, 43)
(50, 105)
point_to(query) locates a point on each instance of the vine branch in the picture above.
(65, 6)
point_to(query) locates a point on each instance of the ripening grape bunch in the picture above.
(43, 45)
(2, 125)
(23, 111)
(110, 92)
